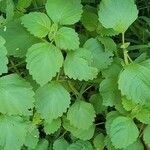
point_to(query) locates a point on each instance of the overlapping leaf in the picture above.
(83, 134)
(79, 112)
(101, 30)
(101, 59)
(16, 96)
(60, 144)
(67, 38)
(78, 65)
(109, 119)
(89, 18)
(13, 132)
(52, 100)
(136, 145)
(37, 23)
(43, 61)
(99, 141)
(53, 126)
(108, 143)
(97, 102)
(78, 145)
(18, 45)
(117, 14)
(22, 4)
(123, 129)
(64, 12)
(32, 136)
(42, 145)
(109, 91)
(134, 82)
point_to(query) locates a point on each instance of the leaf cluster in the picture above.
(74, 75)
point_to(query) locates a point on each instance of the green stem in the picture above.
(125, 52)
(35, 4)
(82, 90)
(129, 58)
(62, 135)
(76, 93)
(141, 131)
(14, 67)
(58, 75)
(99, 123)
(87, 88)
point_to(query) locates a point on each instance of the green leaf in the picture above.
(32, 137)
(108, 143)
(99, 142)
(60, 144)
(2, 40)
(109, 119)
(83, 134)
(43, 61)
(42, 145)
(78, 65)
(66, 38)
(113, 70)
(123, 129)
(53, 31)
(22, 4)
(64, 12)
(119, 107)
(134, 82)
(37, 23)
(53, 126)
(135, 146)
(101, 59)
(146, 136)
(128, 104)
(16, 96)
(52, 100)
(41, 3)
(3, 57)
(102, 31)
(80, 145)
(79, 112)
(141, 58)
(2, 5)
(143, 114)
(109, 91)
(89, 18)
(13, 132)
(97, 102)
(36, 119)
(2, 21)
(23, 40)
(117, 14)
(108, 43)
(9, 10)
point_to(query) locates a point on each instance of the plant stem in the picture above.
(82, 90)
(20, 63)
(58, 75)
(99, 123)
(76, 93)
(62, 135)
(125, 52)
(14, 67)
(87, 88)
(35, 4)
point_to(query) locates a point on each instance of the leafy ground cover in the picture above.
(74, 74)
